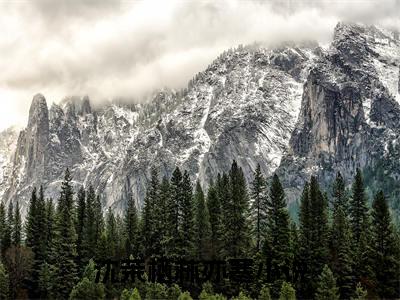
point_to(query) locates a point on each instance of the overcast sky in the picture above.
(110, 48)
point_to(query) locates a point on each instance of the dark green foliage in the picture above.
(278, 251)
(202, 225)
(237, 229)
(8, 229)
(36, 237)
(340, 242)
(361, 235)
(358, 208)
(339, 194)
(314, 232)
(176, 223)
(216, 225)
(131, 223)
(259, 206)
(151, 241)
(326, 288)
(385, 252)
(64, 242)
(80, 227)
(186, 228)
(17, 226)
(87, 288)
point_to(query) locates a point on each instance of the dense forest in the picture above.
(340, 248)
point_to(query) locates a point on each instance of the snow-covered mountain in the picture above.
(295, 109)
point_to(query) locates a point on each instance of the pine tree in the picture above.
(340, 242)
(45, 281)
(215, 212)
(237, 231)
(172, 237)
(36, 237)
(64, 252)
(17, 226)
(259, 205)
(279, 254)
(385, 253)
(132, 228)
(360, 229)
(4, 283)
(8, 230)
(98, 223)
(287, 292)
(202, 225)
(165, 217)
(314, 233)
(149, 224)
(187, 234)
(326, 288)
(111, 233)
(80, 227)
(49, 225)
(358, 207)
(339, 194)
(31, 221)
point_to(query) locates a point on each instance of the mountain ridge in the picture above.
(292, 109)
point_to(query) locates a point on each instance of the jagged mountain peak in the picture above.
(293, 109)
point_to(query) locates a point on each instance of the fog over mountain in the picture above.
(110, 49)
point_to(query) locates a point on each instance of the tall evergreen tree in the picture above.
(36, 236)
(341, 255)
(202, 224)
(279, 254)
(339, 194)
(111, 233)
(80, 227)
(172, 237)
(98, 222)
(314, 233)
(8, 230)
(187, 234)
(340, 241)
(31, 221)
(215, 212)
(237, 229)
(131, 228)
(385, 253)
(166, 217)
(64, 252)
(360, 229)
(149, 223)
(259, 205)
(326, 288)
(17, 226)
(358, 207)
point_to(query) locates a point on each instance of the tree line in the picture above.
(340, 248)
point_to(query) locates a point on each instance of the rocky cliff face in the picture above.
(350, 107)
(297, 109)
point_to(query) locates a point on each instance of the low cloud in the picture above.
(110, 49)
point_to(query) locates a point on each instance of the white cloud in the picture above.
(127, 48)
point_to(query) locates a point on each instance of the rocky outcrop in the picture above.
(296, 109)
